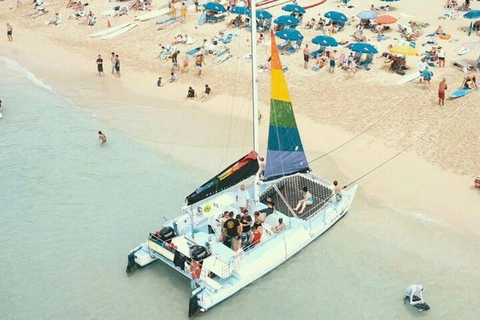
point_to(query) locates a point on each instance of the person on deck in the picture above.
(242, 198)
(337, 191)
(259, 220)
(280, 226)
(246, 222)
(231, 232)
(270, 207)
(306, 201)
(256, 236)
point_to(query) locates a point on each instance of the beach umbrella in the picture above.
(262, 14)
(286, 21)
(240, 10)
(367, 15)
(472, 45)
(385, 19)
(325, 41)
(289, 34)
(215, 7)
(472, 14)
(336, 16)
(389, 0)
(404, 50)
(293, 8)
(363, 47)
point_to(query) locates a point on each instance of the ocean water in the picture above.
(71, 210)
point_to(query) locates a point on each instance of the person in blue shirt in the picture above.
(427, 76)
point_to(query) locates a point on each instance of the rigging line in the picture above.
(229, 133)
(366, 129)
(409, 146)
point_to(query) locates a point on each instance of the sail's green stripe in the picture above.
(281, 114)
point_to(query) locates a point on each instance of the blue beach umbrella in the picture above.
(325, 41)
(389, 0)
(262, 14)
(215, 7)
(472, 15)
(362, 47)
(240, 10)
(293, 8)
(336, 16)
(367, 15)
(286, 21)
(289, 34)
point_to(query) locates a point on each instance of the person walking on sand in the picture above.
(427, 76)
(175, 60)
(421, 67)
(441, 57)
(306, 56)
(442, 87)
(9, 32)
(198, 63)
(197, 8)
(112, 59)
(183, 10)
(100, 66)
(117, 65)
(102, 137)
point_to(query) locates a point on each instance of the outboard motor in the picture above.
(167, 233)
(198, 253)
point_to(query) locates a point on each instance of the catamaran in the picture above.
(194, 242)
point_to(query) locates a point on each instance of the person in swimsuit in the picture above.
(100, 66)
(306, 56)
(117, 66)
(183, 10)
(337, 191)
(9, 32)
(112, 59)
(332, 61)
(102, 137)
(306, 201)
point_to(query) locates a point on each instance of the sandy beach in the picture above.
(434, 175)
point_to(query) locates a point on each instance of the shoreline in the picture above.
(388, 185)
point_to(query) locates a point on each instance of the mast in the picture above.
(253, 40)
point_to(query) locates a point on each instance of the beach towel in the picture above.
(190, 40)
(193, 51)
(226, 58)
(202, 19)
(228, 39)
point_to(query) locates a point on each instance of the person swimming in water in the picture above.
(102, 137)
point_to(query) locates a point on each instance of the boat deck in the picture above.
(291, 190)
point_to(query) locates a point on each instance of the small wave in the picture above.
(14, 65)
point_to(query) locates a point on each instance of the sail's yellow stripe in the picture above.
(279, 86)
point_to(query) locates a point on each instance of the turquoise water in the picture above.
(71, 210)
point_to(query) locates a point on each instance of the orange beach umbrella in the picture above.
(385, 19)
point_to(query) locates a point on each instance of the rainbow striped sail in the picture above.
(285, 155)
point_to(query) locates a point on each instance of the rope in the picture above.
(409, 146)
(366, 129)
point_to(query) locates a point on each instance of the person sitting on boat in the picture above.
(231, 232)
(256, 236)
(242, 198)
(306, 201)
(270, 207)
(337, 191)
(246, 222)
(280, 226)
(414, 294)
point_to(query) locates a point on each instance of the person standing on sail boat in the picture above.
(337, 191)
(242, 198)
(306, 201)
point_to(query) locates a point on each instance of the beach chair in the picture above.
(215, 19)
(284, 45)
(365, 65)
(293, 48)
(462, 64)
(357, 56)
(228, 39)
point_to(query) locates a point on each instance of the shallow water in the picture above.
(71, 210)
